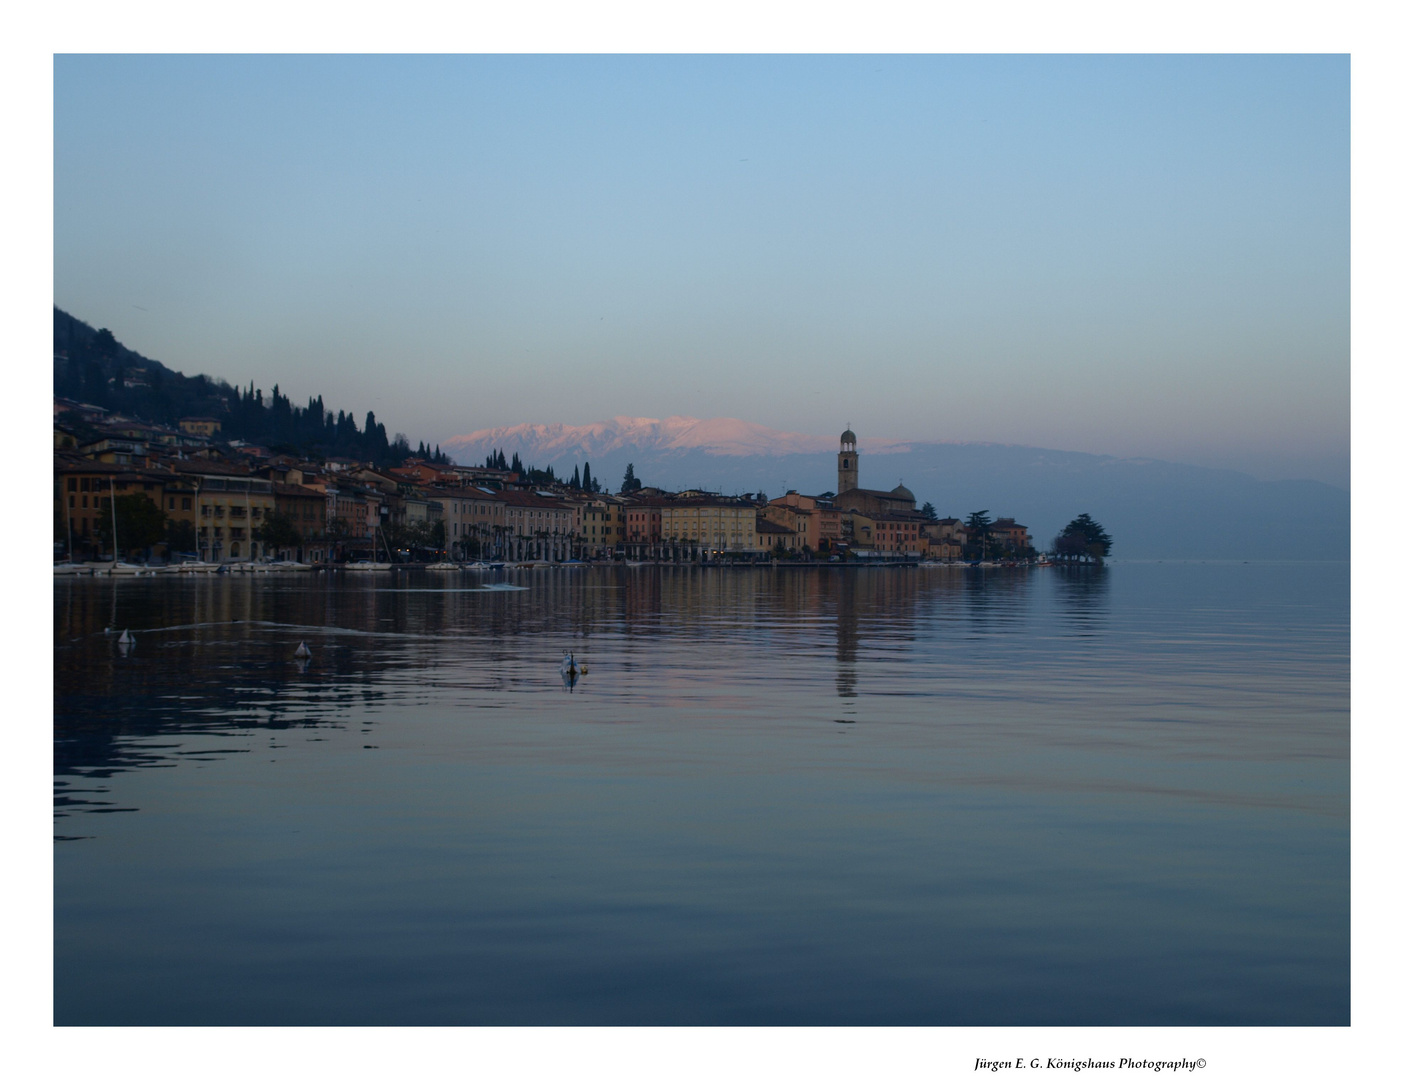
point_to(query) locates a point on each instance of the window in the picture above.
(72, 483)
(185, 504)
(172, 506)
(85, 502)
(85, 487)
(72, 501)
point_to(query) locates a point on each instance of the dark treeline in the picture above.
(91, 366)
(496, 459)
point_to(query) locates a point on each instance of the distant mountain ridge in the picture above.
(1153, 509)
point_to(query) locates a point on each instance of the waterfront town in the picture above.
(185, 495)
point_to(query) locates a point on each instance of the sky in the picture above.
(1146, 256)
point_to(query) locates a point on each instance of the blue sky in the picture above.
(1146, 256)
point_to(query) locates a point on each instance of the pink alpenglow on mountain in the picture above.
(722, 435)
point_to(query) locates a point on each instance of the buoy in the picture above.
(126, 638)
(303, 652)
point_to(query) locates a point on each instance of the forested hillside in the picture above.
(93, 367)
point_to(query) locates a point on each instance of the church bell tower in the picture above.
(847, 462)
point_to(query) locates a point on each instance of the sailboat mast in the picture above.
(112, 486)
(68, 516)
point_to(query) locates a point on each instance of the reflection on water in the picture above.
(790, 795)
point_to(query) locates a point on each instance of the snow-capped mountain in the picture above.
(544, 443)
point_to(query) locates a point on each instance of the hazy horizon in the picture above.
(1137, 256)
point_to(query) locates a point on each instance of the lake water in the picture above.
(779, 796)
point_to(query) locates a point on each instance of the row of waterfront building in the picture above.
(223, 502)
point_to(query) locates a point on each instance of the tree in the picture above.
(585, 482)
(631, 483)
(1083, 540)
(140, 523)
(277, 533)
(928, 511)
(977, 531)
(180, 535)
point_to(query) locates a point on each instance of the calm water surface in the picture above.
(788, 796)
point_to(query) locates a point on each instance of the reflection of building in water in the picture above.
(846, 636)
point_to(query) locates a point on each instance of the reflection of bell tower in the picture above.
(847, 462)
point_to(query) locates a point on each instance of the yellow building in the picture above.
(200, 425)
(229, 506)
(709, 527)
(600, 522)
(772, 536)
(83, 493)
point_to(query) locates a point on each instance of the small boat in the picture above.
(68, 568)
(302, 652)
(365, 565)
(124, 568)
(443, 566)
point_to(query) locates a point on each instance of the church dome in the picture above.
(902, 492)
(848, 436)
